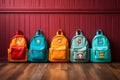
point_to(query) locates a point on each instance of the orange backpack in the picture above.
(59, 51)
(17, 51)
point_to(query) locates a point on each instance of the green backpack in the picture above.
(100, 51)
(79, 51)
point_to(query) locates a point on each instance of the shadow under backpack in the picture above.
(38, 48)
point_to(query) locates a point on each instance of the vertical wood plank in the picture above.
(17, 3)
(11, 20)
(4, 38)
(33, 2)
(32, 25)
(6, 3)
(67, 25)
(44, 20)
(43, 3)
(44, 25)
(27, 3)
(56, 23)
(72, 26)
(11, 3)
(27, 27)
(50, 4)
(58, 4)
(16, 22)
(2, 32)
(72, 4)
(52, 29)
(61, 22)
(7, 29)
(1, 3)
(37, 3)
(22, 3)
(37, 22)
(22, 22)
(64, 4)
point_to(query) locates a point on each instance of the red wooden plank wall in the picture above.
(50, 15)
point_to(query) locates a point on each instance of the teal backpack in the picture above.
(38, 48)
(79, 51)
(100, 51)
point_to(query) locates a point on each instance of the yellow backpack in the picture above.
(17, 51)
(59, 49)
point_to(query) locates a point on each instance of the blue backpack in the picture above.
(79, 51)
(38, 48)
(100, 51)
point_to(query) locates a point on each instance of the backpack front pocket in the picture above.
(101, 54)
(18, 52)
(38, 54)
(79, 55)
(59, 54)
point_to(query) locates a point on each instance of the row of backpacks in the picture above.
(59, 49)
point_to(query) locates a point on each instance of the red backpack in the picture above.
(17, 51)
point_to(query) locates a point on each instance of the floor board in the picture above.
(59, 71)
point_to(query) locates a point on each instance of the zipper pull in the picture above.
(95, 52)
(30, 51)
(73, 53)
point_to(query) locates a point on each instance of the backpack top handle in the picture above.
(19, 32)
(39, 32)
(59, 32)
(99, 32)
(79, 32)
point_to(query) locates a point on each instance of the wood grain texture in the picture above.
(59, 71)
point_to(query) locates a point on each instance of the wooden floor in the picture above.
(59, 71)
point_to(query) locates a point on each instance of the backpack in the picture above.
(59, 51)
(38, 48)
(79, 51)
(100, 51)
(17, 51)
